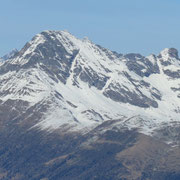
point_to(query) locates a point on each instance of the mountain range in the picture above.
(71, 109)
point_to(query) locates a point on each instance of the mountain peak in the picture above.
(10, 54)
(168, 53)
(55, 32)
(86, 39)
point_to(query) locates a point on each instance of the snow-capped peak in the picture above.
(169, 53)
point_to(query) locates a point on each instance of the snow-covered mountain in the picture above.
(71, 109)
(77, 84)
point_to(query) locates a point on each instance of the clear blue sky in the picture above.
(142, 26)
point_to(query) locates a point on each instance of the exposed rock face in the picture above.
(76, 101)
